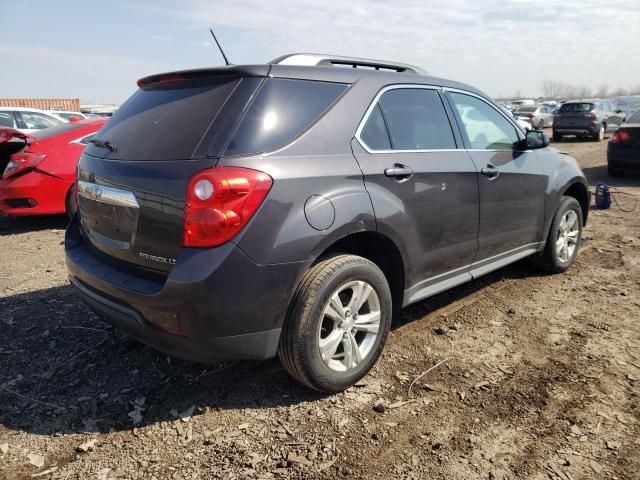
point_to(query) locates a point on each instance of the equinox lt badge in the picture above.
(155, 258)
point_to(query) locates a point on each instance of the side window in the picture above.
(416, 119)
(35, 120)
(7, 120)
(375, 134)
(486, 129)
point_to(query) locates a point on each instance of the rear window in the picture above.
(283, 109)
(164, 122)
(526, 109)
(576, 107)
(57, 130)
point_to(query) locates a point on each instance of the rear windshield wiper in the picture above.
(103, 144)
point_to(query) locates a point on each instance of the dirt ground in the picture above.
(541, 379)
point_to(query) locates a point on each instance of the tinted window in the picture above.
(57, 130)
(283, 109)
(576, 107)
(416, 119)
(7, 120)
(485, 127)
(37, 121)
(164, 122)
(375, 134)
(526, 109)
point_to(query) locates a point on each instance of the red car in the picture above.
(38, 179)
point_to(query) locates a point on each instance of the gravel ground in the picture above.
(540, 380)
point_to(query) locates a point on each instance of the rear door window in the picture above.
(166, 121)
(282, 111)
(416, 120)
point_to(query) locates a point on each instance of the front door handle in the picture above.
(399, 172)
(490, 171)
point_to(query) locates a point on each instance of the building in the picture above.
(68, 104)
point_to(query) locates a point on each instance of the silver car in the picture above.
(539, 116)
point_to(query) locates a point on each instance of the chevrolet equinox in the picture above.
(292, 208)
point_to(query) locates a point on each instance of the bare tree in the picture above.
(602, 91)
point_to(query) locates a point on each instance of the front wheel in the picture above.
(337, 324)
(564, 237)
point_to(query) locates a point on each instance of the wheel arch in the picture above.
(379, 249)
(579, 191)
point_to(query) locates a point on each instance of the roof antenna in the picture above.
(218, 43)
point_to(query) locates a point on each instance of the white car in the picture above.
(66, 115)
(26, 120)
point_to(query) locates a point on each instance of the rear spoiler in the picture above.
(205, 73)
(7, 134)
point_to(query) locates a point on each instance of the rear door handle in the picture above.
(399, 172)
(490, 171)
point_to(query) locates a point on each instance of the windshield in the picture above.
(635, 118)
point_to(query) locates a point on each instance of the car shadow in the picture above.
(599, 174)
(65, 371)
(10, 225)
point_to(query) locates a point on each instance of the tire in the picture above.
(599, 135)
(550, 260)
(557, 137)
(614, 171)
(70, 206)
(307, 324)
(541, 125)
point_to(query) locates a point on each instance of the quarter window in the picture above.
(485, 127)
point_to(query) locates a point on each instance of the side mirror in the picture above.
(535, 139)
(618, 111)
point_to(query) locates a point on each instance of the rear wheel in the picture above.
(557, 136)
(599, 135)
(563, 240)
(337, 324)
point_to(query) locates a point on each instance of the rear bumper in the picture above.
(624, 157)
(33, 193)
(216, 304)
(591, 129)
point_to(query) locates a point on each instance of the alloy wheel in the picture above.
(567, 240)
(350, 325)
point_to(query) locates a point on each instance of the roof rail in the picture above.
(322, 60)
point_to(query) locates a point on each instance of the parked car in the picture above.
(516, 104)
(586, 118)
(290, 208)
(67, 116)
(26, 120)
(623, 150)
(520, 121)
(38, 179)
(626, 106)
(539, 116)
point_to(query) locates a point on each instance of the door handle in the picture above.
(490, 171)
(399, 172)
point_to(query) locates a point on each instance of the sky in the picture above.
(96, 50)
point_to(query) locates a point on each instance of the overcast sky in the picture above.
(96, 50)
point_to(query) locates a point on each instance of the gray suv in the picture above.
(293, 208)
(586, 118)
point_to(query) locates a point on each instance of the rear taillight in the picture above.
(220, 202)
(529, 115)
(22, 162)
(620, 137)
(589, 115)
